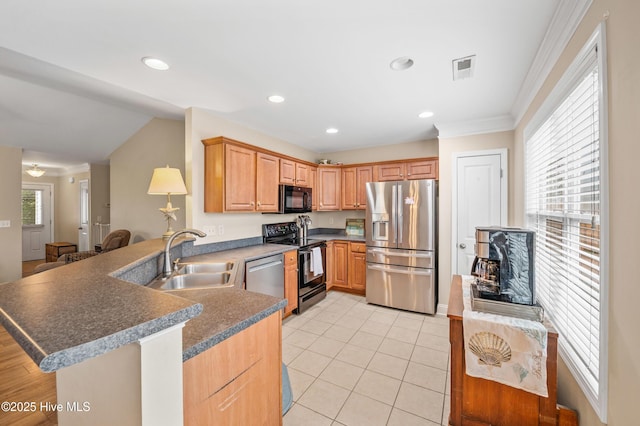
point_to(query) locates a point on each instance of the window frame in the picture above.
(557, 95)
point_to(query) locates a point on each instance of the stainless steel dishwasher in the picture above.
(266, 275)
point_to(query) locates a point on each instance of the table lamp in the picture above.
(167, 181)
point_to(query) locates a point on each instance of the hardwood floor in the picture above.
(22, 381)
(28, 266)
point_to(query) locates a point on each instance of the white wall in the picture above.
(159, 143)
(11, 196)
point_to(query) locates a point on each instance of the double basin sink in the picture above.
(198, 276)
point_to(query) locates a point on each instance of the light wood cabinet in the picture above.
(329, 188)
(346, 266)
(238, 178)
(266, 182)
(408, 170)
(357, 266)
(340, 264)
(244, 178)
(239, 380)
(294, 173)
(291, 281)
(313, 184)
(353, 190)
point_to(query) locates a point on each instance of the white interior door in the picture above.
(480, 199)
(37, 229)
(83, 229)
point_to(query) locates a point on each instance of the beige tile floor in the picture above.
(356, 364)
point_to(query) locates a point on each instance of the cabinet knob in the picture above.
(259, 204)
(252, 203)
(408, 174)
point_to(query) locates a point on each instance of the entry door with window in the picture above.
(36, 220)
(480, 199)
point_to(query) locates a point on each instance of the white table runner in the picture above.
(508, 350)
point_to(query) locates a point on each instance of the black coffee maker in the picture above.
(503, 266)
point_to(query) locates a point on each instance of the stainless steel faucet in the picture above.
(167, 248)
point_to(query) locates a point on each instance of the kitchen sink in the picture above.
(191, 268)
(199, 275)
(197, 280)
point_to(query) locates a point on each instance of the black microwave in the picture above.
(294, 199)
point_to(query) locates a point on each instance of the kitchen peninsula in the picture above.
(121, 346)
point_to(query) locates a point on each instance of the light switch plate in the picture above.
(5, 223)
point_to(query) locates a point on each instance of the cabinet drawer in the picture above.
(358, 247)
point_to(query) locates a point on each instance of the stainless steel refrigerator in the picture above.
(401, 232)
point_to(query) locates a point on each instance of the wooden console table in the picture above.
(54, 250)
(481, 402)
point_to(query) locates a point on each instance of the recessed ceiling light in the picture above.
(155, 63)
(276, 99)
(332, 130)
(401, 64)
(425, 114)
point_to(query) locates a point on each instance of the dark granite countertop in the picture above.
(66, 315)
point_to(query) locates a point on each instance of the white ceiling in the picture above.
(73, 87)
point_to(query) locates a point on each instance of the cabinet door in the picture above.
(341, 264)
(358, 267)
(329, 183)
(238, 381)
(363, 175)
(313, 184)
(267, 172)
(392, 171)
(427, 169)
(302, 174)
(291, 281)
(287, 172)
(240, 179)
(330, 265)
(348, 196)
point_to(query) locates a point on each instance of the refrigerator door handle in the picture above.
(399, 254)
(394, 212)
(426, 272)
(399, 216)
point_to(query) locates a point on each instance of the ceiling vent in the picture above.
(464, 67)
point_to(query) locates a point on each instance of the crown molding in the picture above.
(475, 127)
(564, 23)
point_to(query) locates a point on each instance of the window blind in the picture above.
(563, 206)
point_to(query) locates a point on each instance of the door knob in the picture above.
(462, 246)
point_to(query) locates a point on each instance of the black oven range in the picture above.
(312, 286)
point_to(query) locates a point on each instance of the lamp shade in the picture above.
(166, 180)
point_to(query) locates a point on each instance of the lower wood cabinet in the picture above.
(358, 266)
(238, 381)
(291, 281)
(346, 266)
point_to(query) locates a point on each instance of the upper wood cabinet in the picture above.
(408, 170)
(353, 194)
(244, 178)
(266, 182)
(329, 188)
(238, 178)
(313, 184)
(294, 173)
